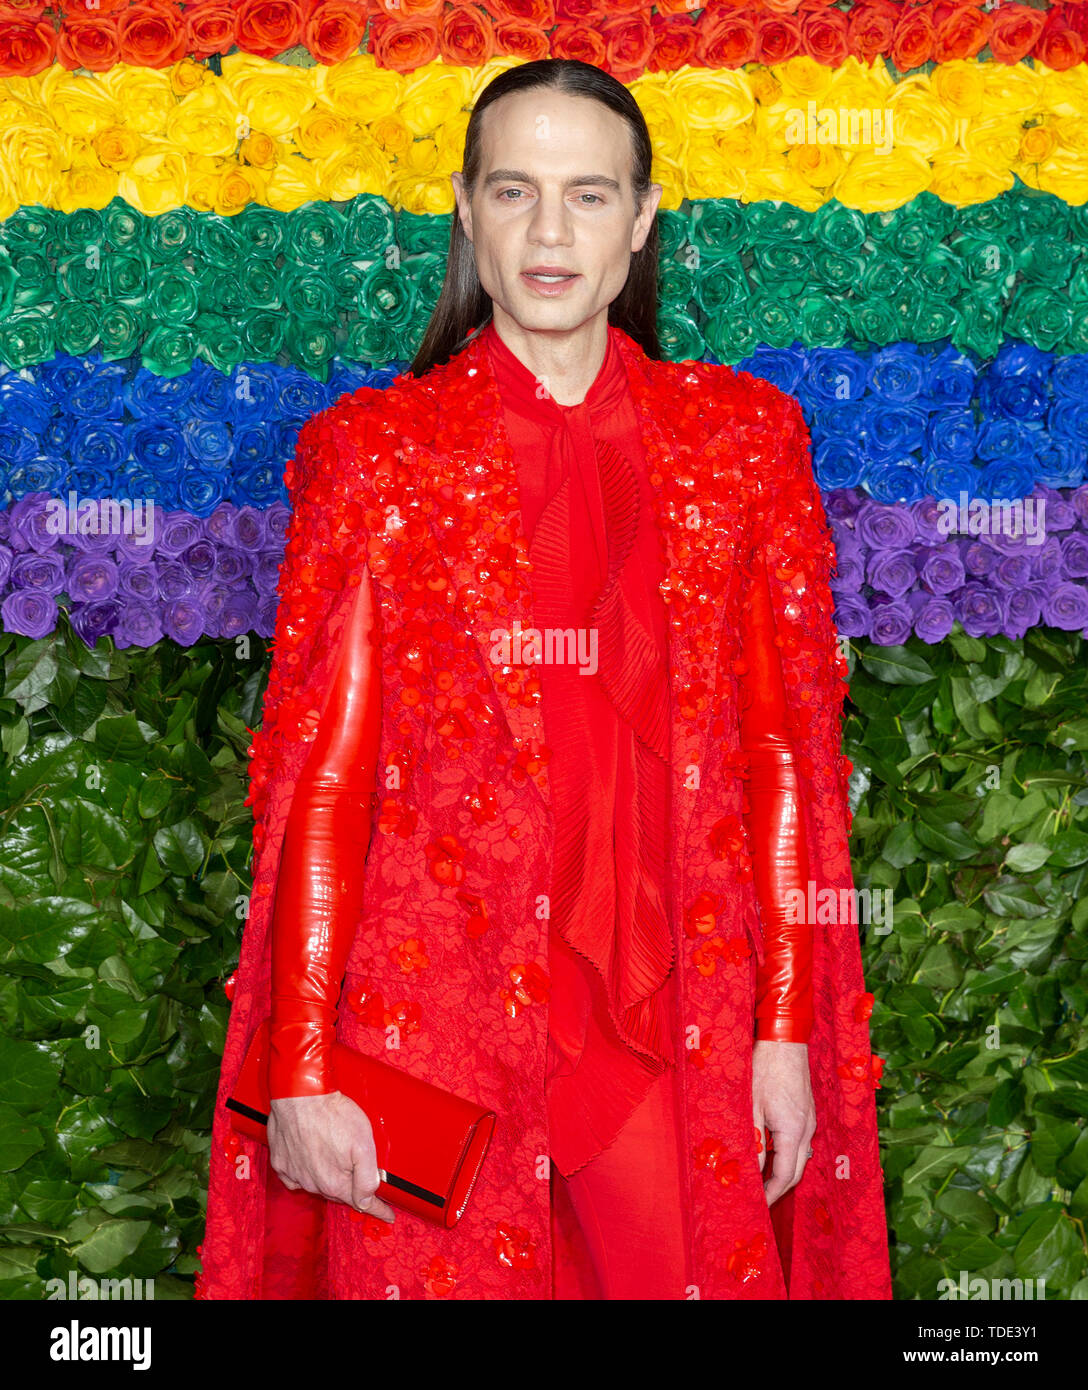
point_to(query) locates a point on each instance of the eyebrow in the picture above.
(520, 176)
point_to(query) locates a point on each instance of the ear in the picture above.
(645, 220)
(464, 208)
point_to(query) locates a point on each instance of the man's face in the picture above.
(527, 211)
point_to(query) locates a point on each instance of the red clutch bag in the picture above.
(430, 1144)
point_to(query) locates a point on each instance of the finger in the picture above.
(786, 1147)
(803, 1156)
(374, 1206)
(364, 1183)
(760, 1136)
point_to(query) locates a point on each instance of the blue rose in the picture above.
(952, 434)
(898, 373)
(893, 431)
(834, 378)
(898, 481)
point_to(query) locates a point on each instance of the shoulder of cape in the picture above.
(749, 417)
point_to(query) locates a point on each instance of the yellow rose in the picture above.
(208, 122)
(1064, 175)
(187, 75)
(669, 173)
(704, 174)
(745, 147)
(292, 183)
(390, 134)
(203, 173)
(664, 119)
(799, 79)
(959, 86)
(274, 96)
(116, 147)
(964, 181)
(919, 123)
(1037, 144)
(321, 132)
(86, 185)
(450, 139)
(1072, 132)
(711, 100)
(238, 187)
(859, 84)
(874, 182)
(143, 97)
(1063, 93)
(79, 106)
(994, 142)
(420, 195)
(766, 88)
(154, 181)
(816, 165)
(360, 167)
(1011, 89)
(776, 181)
(259, 150)
(358, 88)
(433, 95)
(34, 157)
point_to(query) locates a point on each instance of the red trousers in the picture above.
(618, 1223)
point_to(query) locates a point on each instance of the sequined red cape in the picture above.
(448, 973)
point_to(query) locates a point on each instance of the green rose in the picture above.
(838, 228)
(118, 330)
(837, 271)
(171, 234)
(220, 343)
(261, 231)
(417, 234)
(980, 326)
(311, 344)
(1039, 316)
(719, 225)
(386, 295)
(173, 298)
(679, 336)
(262, 332)
(376, 343)
(315, 235)
(674, 231)
(1047, 260)
(731, 337)
(77, 327)
(308, 293)
(874, 321)
(27, 339)
(823, 320)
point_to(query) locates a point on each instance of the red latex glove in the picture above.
(784, 979)
(320, 877)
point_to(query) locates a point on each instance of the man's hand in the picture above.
(782, 1102)
(325, 1145)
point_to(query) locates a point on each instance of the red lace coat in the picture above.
(448, 973)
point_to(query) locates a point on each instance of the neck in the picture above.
(566, 361)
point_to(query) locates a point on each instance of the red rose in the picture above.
(335, 30)
(521, 40)
(777, 38)
(1015, 32)
(629, 41)
(89, 42)
(729, 42)
(152, 35)
(1059, 46)
(210, 24)
(402, 45)
(25, 47)
(962, 34)
(268, 27)
(912, 42)
(825, 37)
(578, 41)
(870, 28)
(466, 36)
(676, 42)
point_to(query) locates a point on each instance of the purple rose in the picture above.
(934, 617)
(883, 527)
(183, 619)
(851, 616)
(178, 533)
(1075, 555)
(1011, 572)
(91, 620)
(200, 558)
(266, 571)
(33, 571)
(266, 617)
(926, 513)
(1022, 610)
(238, 614)
(978, 559)
(91, 578)
(891, 622)
(31, 612)
(892, 571)
(941, 569)
(140, 625)
(1066, 607)
(147, 520)
(175, 579)
(138, 582)
(979, 610)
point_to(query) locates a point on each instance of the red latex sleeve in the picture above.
(320, 877)
(773, 816)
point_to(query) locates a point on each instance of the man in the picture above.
(549, 757)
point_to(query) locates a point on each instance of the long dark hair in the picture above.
(464, 306)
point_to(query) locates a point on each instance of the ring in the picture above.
(809, 1155)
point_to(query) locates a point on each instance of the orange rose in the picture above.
(578, 41)
(534, 14)
(267, 28)
(729, 42)
(401, 45)
(521, 40)
(211, 27)
(675, 44)
(467, 37)
(962, 34)
(912, 42)
(89, 42)
(26, 47)
(1059, 47)
(870, 29)
(825, 37)
(152, 35)
(334, 30)
(1015, 33)
(629, 42)
(778, 37)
